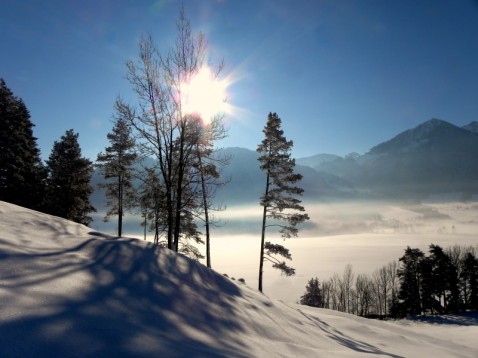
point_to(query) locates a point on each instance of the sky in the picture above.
(342, 75)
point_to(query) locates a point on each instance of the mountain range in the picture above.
(433, 158)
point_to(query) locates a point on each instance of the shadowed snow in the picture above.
(68, 291)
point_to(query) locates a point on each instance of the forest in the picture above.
(443, 282)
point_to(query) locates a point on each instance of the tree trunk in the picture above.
(179, 190)
(206, 215)
(120, 206)
(168, 173)
(145, 223)
(264, 216)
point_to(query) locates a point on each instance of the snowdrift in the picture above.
(68, 291)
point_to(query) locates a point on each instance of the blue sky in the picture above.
(343, 75)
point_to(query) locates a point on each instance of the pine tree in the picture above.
(469, 278)
(444, 279)
(22, 173)
(410, 283)
(279, 200)
(428, 287)
(68, 183)
(313, 294)
(116, 165)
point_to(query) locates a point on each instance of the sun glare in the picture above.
(204, 95)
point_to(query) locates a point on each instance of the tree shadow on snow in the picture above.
(347, 341)
(462, 319)
(139, 300)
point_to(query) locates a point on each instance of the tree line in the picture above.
(161, 161)
(444, 281)
(61, 186)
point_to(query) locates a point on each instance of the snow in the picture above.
(69, 291)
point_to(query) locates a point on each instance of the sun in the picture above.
(205, 95)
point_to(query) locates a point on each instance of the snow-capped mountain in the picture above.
(434, 157)
(247, 181)
(435, 133)
(316, 160)
(473, 127)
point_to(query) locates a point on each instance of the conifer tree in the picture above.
(116, 165)
(313, 294)
(68, 183)
(444, 279)
(22, 173)
(410, 283)
(279, 199)
(469, 277)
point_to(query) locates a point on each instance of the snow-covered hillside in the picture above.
(66, 290)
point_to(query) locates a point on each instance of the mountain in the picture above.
(340, 167)
(247, 180)
(473, 127)
(316, 160)
(69, 291)
(434, 157)
(436, 135)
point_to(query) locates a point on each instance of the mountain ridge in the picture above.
(431, 158)
(430, 132)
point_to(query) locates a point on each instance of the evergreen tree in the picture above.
(116, 165)
(444, 279)
(428, 287)
(410, 283)
(313, 294)
(279, 201)
(68, 183)
(469, 277)
(22, 173)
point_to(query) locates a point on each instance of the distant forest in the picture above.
(442, 282)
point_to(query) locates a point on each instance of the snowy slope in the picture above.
(68, 291)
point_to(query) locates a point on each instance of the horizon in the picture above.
(343, 77)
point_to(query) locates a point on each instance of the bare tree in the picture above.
(383, 285)
(209, 162)
(337, 293)
(363, 290)
(392, 270)
(347, 284)
(163, 128)
(327, 293)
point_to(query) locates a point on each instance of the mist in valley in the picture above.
(364, 234)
